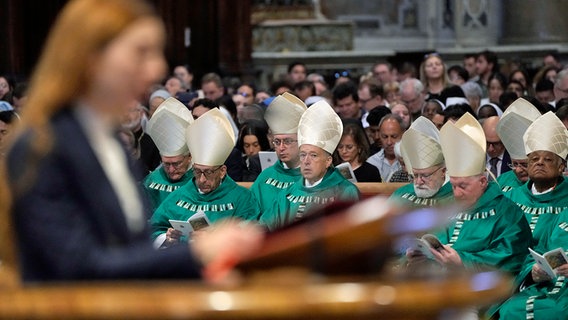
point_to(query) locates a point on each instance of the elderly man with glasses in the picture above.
(167, 130)
(211, 192)
(319, 132)
(282, 115)
(422, 154)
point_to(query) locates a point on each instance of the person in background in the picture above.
(498, 159)
(253, 138)
(184, 73)
(167, 129)
(511, 127)
(7, 121)
(433, 75)
(5, 89)
(390, 132)
(297, 72)
(99, 56)
(156, 99)
(413, 96)
(354, 149)
(403, 112)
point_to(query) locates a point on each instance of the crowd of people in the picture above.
(101, 161)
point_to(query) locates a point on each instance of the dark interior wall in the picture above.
(220, 34)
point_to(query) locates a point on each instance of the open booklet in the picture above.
(550, 260)
(196, 222)
(346, 171)
(424, 243)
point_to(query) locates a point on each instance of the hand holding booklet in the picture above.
(550, 260)
(424, 243)
(196, 222)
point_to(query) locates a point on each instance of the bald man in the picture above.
(498, 159)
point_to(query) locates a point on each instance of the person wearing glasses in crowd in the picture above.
(546, 192)
(211, 191)
(319, 132)
(511, 127)
(422, 154)
(167, 129)
(282, 115)
(498, 159)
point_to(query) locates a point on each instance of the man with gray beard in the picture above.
(422, 154)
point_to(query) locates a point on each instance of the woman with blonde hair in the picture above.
(76, 209)
(433, 75)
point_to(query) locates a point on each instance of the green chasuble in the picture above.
(294, 202)
(544, 300)
(509, 181)
(271, 181)
(493, 234)
(157, 185)
(228, 200)
(406, 196)
(541, 210)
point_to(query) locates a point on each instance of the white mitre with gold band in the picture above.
(463, 145)
(513, 124)
(167, 127)
(320, 126)
(210, 138)
(547, 133)
(283, 114)
(420, 145)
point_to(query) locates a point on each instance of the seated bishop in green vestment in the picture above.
(539, 296)
(298, 200)
(319, 132)
(167, 129)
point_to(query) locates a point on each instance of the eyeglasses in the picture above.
(344, 73)
(287, 142)
(208, 173)
(175, 165)
(522, 165)
(348, 147)
(424, 176)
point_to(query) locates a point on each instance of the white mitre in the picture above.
(210, 138)
(513, 125)
(463, 145)
(320, 126)
(420, 145)
(167, 127)
(283, 114)
(547, 133)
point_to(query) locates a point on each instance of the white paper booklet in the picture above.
(196, 222)
(550, 260)
(346, 171)
(424, 244)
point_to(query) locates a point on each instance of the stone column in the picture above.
(477, 23)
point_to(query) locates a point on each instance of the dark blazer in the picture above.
(68, 221)
(505, 162)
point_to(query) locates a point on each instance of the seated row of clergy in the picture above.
(492, 226)
(304, 138)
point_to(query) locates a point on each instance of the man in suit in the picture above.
(498, 159)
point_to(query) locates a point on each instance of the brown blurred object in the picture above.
(311, 299)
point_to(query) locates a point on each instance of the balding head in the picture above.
(494, 145)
